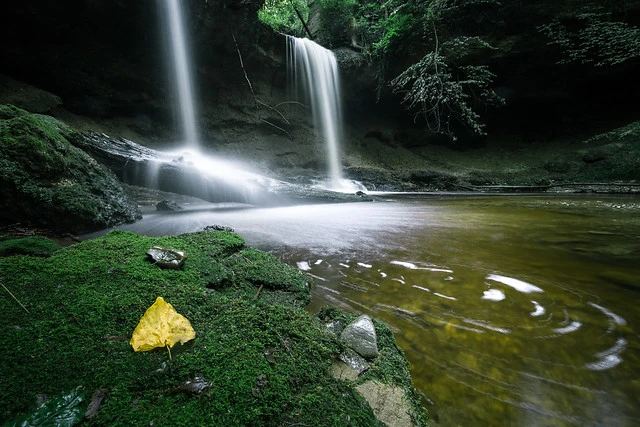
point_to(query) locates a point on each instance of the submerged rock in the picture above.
(360, 335)
(167, 258)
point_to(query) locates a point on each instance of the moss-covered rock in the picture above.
(31, 245)
(267, 363)
(613, 155)
(46, 181)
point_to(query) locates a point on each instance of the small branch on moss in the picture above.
(259, 290)
(14, 297)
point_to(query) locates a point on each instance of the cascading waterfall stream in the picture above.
(190, 171)
(315, 69)
(183, 75)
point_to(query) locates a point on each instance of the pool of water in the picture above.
(512, 310)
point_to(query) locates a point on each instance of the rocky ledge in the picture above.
(47, 182)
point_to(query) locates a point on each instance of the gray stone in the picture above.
(354, 360)
(167, 258)
(360, 335)
(335, 327)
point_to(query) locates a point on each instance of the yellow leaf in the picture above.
(161, 326)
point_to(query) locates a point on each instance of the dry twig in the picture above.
(14, 297)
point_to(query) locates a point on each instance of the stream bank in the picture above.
(257, 358)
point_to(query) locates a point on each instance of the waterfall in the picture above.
(183, 76)
(315, 69)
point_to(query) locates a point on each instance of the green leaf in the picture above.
(62, 411)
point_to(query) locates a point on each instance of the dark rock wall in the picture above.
(98, 56)
(107, 58)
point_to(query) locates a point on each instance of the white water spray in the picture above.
(183, 76)
(318, 71)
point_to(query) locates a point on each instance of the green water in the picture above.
(558, 345)
(513, 310)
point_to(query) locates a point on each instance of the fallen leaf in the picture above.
(62, 411)
(161, 326)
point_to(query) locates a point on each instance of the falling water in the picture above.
(318, 71)
(183, 76)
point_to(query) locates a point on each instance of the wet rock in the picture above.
(167, 258)
(217, 227)
(360, 335)
(349, 366)
(168, 206)
(342, 371)
(354, 360)
(336, 327)
(195, 386)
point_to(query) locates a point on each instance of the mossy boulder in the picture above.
(45, 181)
(30, 245)
(264, 360)
(613, 155)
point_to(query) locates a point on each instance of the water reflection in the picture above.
(512, 310)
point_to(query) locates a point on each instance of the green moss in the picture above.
(258, 268)
(630, 133)
(268, 364)
(31, 245)
(46, 181)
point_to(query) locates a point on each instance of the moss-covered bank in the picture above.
(46, 181)
(268, 361)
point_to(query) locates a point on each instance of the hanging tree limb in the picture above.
(255, 99)
(276, 110)
(304, 24)
(277, 127)
(244, 70)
